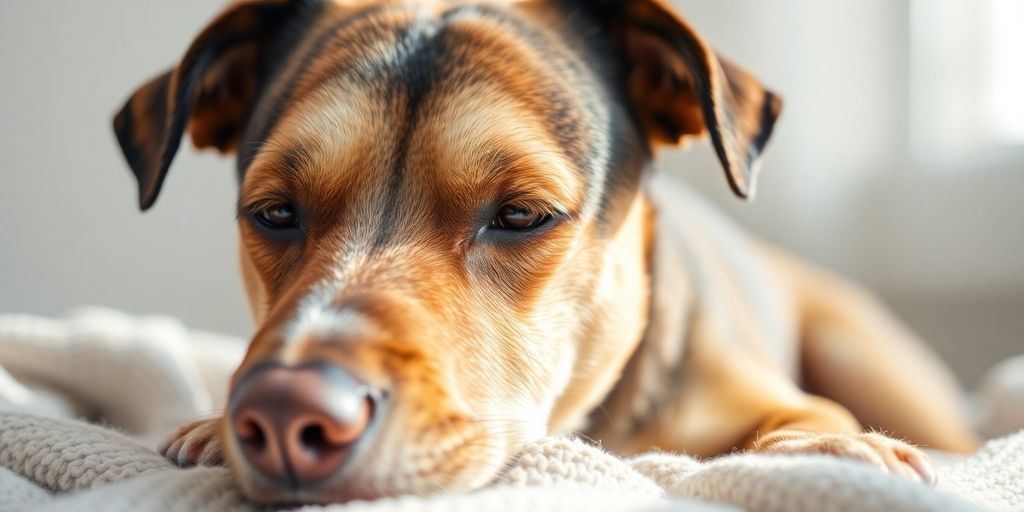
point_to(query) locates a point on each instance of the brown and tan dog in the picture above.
(453, 244)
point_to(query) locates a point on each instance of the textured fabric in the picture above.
(140, 377)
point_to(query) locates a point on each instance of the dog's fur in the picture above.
(636, 315)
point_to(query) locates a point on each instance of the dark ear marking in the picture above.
(681, 89)
(210, 92)
(141, 139)
(743, 116)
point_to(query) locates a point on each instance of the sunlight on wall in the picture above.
(966, 79)
(1004, 78)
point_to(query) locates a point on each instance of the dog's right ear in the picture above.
(211, 92)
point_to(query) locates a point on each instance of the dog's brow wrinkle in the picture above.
(271, 107)
(293, 159)
(288, 158)
(421, 61)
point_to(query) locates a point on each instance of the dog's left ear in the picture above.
(210, 92)
(682, 90)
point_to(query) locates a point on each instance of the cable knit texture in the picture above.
(137, 378)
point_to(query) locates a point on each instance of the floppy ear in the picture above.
(210, 92)
(682, 90)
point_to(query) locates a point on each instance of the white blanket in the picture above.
(141, 377)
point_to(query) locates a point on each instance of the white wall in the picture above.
(838, 183)
(72, 234)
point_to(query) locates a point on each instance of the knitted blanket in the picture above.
(83, 401)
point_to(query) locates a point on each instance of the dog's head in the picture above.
(444, 238)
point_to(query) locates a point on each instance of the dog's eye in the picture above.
(517, 218)
(281, 216)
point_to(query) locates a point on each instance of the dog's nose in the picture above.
(297, 425)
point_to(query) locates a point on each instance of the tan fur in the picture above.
(851, 351)
(642, 319)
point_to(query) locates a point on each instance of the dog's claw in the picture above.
(920, 462)
(195, 444)
(887, 454)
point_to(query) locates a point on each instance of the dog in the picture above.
(453, 243)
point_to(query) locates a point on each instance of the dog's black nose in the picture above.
(298, 425)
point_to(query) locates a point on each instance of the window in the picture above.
(966, 81)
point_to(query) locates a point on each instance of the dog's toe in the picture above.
(888, 454)
(914, 459)
(195, 444)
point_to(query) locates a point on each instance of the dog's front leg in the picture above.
(198, 443)
(811, 428)
(732, 397)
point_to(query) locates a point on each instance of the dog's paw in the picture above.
(888, 454)
(195, 444)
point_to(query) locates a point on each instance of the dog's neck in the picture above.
(657, 359)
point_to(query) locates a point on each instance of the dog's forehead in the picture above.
(465, 88)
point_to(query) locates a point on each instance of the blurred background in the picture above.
(898, 161)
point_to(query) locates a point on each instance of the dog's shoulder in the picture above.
(724, 265)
